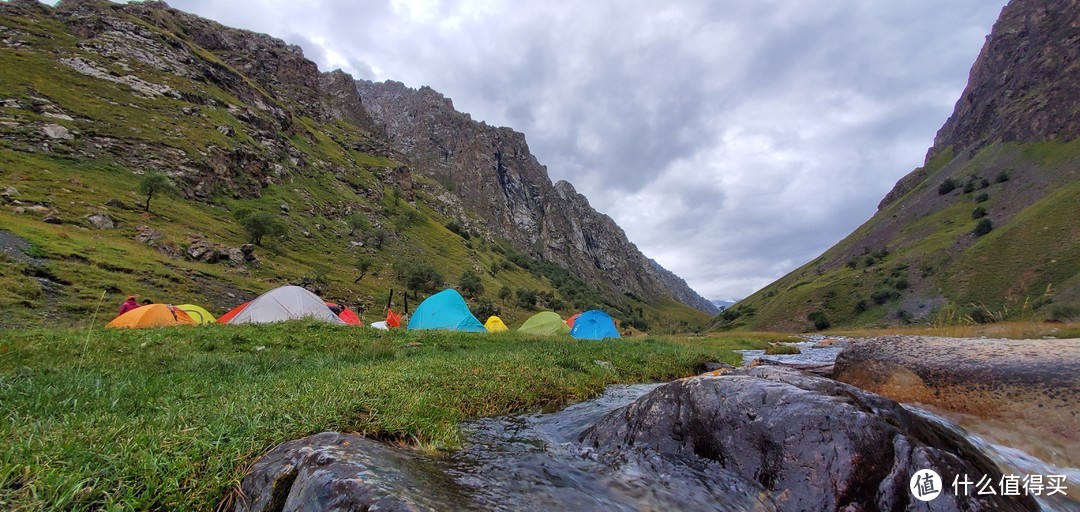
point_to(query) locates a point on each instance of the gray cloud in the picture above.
(733, 141)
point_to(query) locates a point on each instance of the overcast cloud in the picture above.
(732, 140)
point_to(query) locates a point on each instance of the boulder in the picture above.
(55, 131)
(812, 443)
(327, 471)
(101, 221)
(1021, 393)
(204, 251)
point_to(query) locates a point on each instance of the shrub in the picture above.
(1002, 177)
(883, 295)
(969, 187)
(860, 307)
(852, 263)
(946, 186)
(259, 224)
(821, 322)
(773, 350)
(982, 198)
(505, 292)
(422, 277)
(526, 299)
(486, 309)
(901, 284)
(978, 213)
(470, 284)
(983, 227)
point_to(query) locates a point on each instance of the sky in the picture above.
(732, 140)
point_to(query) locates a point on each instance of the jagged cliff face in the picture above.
(986, 230)
(495, 177)
(95, 95)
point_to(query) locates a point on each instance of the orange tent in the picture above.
(346, 314)
(570, 321)
(151, 315)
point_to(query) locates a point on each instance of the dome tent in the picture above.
(197, 313)
(151, 315)
(495, 324)
(594, 325)
(544, 323)
(445, 310)
(283, 303)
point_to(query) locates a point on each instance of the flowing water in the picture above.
(533, 462)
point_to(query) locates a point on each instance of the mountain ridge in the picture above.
(94, 96)
(984, 230)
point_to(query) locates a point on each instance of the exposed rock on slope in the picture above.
(495, 176)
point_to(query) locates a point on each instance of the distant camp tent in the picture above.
(346, 315)
(570, 321)
(280, 304)
(544, 323)
(445, 310)
(197, 313)
(151, 315)
(594, 325)
(495, 324)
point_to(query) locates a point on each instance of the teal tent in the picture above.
(594, 325)
(445, 310)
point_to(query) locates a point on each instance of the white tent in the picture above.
(285, 303)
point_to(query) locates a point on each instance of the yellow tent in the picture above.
(197, 313)
(151, 315)
(495, 324)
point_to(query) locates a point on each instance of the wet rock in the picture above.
(812, 443)
(714, 366)
(1012, 386)
(52, 219)
(327, 471)
(101, 221)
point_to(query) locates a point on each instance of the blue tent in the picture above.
(594, 325)
(445, 310)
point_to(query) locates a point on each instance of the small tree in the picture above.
(154, 183)
(505, 292)
(526, 299)
(983, 227)
(978, 213)
(946, 186)
(260, 224)
(470, 283)
(357, 222)
(423, 277)
(363, 265)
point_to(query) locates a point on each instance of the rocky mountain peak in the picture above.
(493, 173)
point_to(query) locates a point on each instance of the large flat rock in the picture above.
(1020, 393)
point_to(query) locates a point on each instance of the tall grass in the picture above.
(169, 418)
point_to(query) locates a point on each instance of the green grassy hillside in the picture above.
(86, 115)
(922, 260)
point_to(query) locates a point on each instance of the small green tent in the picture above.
(545, 322)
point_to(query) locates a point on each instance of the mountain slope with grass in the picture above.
(987, 229)
(146, 150)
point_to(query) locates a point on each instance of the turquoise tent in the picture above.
(594, 325)
(445, 310)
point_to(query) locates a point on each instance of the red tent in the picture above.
(570, 321)
(224, 319)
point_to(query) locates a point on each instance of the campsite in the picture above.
(504, 256)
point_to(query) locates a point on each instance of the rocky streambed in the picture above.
(766, 437)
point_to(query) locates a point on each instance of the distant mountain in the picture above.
(96, 98)
(722, 304)
(987, 229)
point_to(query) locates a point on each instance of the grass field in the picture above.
(170, 418)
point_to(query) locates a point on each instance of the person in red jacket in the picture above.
(128, 304)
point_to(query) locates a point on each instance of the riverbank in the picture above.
(170, 418)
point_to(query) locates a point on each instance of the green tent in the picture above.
(545, 322)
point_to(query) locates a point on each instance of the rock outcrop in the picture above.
(1025, 393)
(491, 172)
(812, 443)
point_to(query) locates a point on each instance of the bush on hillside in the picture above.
(821, 322)
(526, 299)
(1002, 177)
(259, 224)
(946, 186)
(978, 213)
(421, 277)
(883, 295)
(982, 198)
(470, 284)
(983, 227)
